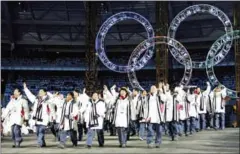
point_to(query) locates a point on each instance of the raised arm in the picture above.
(208, 90)
(114, 93)
(28, 93)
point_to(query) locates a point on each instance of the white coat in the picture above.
(100, 111)
(84, 99)
(18, 111)
(155, 115)
(43, 118)
(192, 105)
(182, 100)
(202, 108)
(169, 106)
(218, 100)
(122, 113)
(69, 116)
(134, 107)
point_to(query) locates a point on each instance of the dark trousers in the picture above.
(158, 133)
(202, 121)
(54, 130)
(41, 129)
(219, 119)
(90, 135)
(112, 130)
(122, 135)
(72, 133)
(80, 131)
(173, 129)
(16, 134)
(209, 119)
(134, 127)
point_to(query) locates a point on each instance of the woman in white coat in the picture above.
(95, 114)
(121, 114)
(17, 111)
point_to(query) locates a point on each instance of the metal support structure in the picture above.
(68, 18)
(91, 74)
(9, 23)
(162, 52)
(237, 51)
(34, 18)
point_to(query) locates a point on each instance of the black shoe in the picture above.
(74, 145)
(133, 134)
(120, 145)
(158, 146)
(13, 146)
(186, 135)
(101, 145)
(88, 146)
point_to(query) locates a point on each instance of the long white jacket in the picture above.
(156, 108)
(218, 100)
(99, 107)
(169, 106)
(192, 105)
(69, 115)
(182, 100)
(202, 100)
(17, 110)
(41, 109)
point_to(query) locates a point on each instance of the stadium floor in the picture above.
(222, 141)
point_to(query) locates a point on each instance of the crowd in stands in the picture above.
(60, 62)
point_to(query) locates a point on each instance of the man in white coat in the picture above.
(41, 113)
(218, 97)
(202, 100)
(81, 100)
(68, 121)
(109, 100)
(156, 103)
(191, 100)
(95, 113)
(182, 110)
(143, 113)
(173, 112)
(17, 110)
(57, 101)
(135, 101)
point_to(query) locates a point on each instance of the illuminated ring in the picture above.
(99, 42)
(201, 8)
(143, 46)
(217, 45)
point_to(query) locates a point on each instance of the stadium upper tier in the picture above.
(78, 64)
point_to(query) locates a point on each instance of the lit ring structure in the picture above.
(143, 46)
(195, 9)
(100, 41)
(218, 45)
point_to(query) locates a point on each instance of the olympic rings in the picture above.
(99, 42)
(216, 54)
(201, 8)
(143, 46)
(217, 45)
